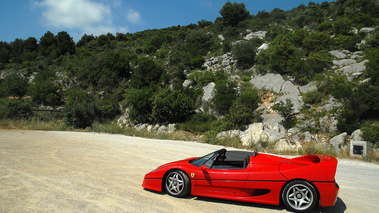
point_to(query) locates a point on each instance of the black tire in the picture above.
(177, 183)
(299, 196)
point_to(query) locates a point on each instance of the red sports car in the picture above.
(301, 182)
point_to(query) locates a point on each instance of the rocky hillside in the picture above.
(283, 79)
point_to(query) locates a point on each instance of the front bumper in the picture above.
(152, 184)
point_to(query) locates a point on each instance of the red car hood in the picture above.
(179, 162)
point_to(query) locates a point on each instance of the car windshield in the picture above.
(207, 159)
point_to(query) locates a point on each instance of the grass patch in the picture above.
(311, 148)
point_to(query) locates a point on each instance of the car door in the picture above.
(220, 182)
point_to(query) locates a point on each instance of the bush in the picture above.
(139, 102)
(286, 111)
(198, 123)
(240, 114)
(17, 109)
(317, 41)
(224, 96)
(107, 109)
(80, 113)
(325, 26)
(373, 66)
(244, 52)
(172, 106)
(15, 85)
(201, 79)
(313, 97)
(370, 132)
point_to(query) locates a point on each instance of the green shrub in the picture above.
(80, 113)
(199, 123)
(15, 85)
(244, 52)
(139, 102)
(224, 96)
(317, 41)
(197, 62)
(313, 97)
(17, 109)
(242, 111)
(240, 114)
(172, 106)
(370, 132)
(201, 79)
(325, 26)
(286, 111)
(107, 109)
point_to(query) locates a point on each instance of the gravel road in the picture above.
(89, 172)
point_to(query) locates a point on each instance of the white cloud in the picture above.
(87, 16)
(74, 13)
(133, 16)
(207, 3)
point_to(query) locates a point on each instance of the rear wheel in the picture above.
(177, 183)
(299, 196)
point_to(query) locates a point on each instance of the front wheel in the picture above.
(177, 183)
(299, 196)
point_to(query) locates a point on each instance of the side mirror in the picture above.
(203, 167)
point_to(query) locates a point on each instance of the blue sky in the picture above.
(33, 18)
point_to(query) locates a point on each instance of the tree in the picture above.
(234, 13)
(48, 44)
(85, 39)
(15, 85)
(16, 49)
(66, 43)
(4, 52)
(30, 49)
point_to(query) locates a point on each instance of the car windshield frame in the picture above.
(207, 159)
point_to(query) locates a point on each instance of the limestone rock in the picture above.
(357, 135)
(208, 92)
(338, 141)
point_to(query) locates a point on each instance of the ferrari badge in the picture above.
(192, 175)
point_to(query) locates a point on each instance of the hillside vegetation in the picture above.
(158, 76)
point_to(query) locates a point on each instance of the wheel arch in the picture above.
(170, 170)
(299, 179)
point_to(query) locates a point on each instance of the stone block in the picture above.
(360, 148)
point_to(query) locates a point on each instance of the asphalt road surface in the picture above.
(88, 172)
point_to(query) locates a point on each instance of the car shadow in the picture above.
(339, 207)
(241, 203)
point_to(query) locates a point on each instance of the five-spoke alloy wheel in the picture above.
(299, 196)
(177, 183)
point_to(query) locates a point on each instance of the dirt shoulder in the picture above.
(88, 172)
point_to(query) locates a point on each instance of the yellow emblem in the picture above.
(192, 175)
